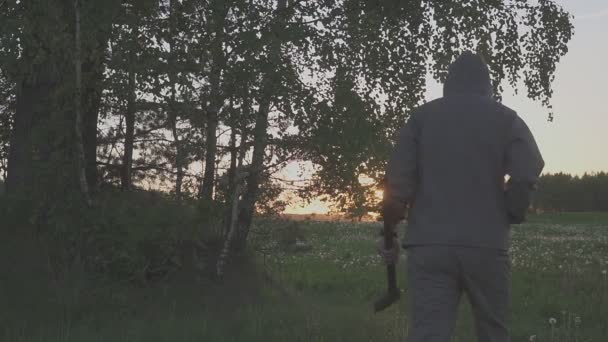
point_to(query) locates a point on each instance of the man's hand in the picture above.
(393, 211)
(518, 199)
(390, 256)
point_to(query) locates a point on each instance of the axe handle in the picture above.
(390, 269)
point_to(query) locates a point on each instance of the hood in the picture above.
(468, 74)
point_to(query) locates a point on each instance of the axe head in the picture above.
(389, 298)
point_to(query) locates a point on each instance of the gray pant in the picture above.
(437, 277)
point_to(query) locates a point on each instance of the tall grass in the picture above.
(308, 281)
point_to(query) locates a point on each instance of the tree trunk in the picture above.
(233, 157)
(253, 180)
(260, 138)
(179, 177)
(126, 177)
(225, 253)
(210, 155)
(127, 158)
(33, 135)
(82, 178)
(216, 101)
(41, 154)
(93, 70)
(237, 189)
(20, 163)
(231, 178)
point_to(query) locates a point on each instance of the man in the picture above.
(449, 167)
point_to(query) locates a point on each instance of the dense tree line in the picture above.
(208, 99)
(565, 192)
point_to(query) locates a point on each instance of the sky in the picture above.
(577, 140)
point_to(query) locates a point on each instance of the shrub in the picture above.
(139, 235)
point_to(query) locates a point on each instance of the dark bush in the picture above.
(139, 235)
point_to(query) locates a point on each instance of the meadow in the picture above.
(314, 281)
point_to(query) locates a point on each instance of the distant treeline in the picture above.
(564, 192)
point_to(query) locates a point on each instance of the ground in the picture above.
(316, 281)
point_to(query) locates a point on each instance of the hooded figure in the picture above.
(448, 167)
(468, 74)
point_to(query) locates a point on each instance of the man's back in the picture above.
(450, 164)
(459, 198)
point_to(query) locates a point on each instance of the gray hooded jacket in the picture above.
(451, 159)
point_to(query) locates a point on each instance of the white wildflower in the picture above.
(532, 338)
(552, 321)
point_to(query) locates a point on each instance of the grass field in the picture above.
(313, 281)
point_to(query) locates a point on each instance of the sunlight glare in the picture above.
(379, 194)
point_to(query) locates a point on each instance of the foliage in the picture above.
(269, 203)
(564, 192)
(350, 72)
(37, 57)
(151, 43)
(185, 87)
(137, 236)
(373, 60)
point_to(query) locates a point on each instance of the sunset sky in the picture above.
(577, 139)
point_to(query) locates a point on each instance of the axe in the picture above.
(392, 294)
